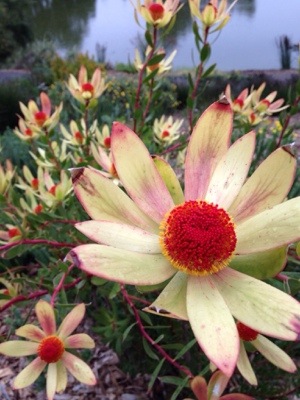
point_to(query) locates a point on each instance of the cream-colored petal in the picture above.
(51, 382)
(270, 229)
(231, 172)
(71, 321)
(172, 300)
(245, 367)
(138, 173)
(18, 348)
(258, 305)
(62, 378)
(122, 265)
(31, 332)
(78, 368)
(45, 315)
(263, 265)
(122, 236)
(208, 143)
(267, 186)
(103, 200)
(29, 374)
(274, 354)
(170, 178)
(79, 341)
(212, 323)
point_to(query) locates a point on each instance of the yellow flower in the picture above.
(157, 12)
(163, 66)
(11, 289)
(166, 130)
(84, 90)
(197, 243)
(213, 13)
(50, 344)
(268, 349)
(38, 119)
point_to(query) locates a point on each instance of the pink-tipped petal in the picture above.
(103, 200)
(82, 75)
(212, 323)
(172, 300)
(45, 315)
(46, 103)
(270, 229)
(79, 369)
(267, 186)
(138, 173)
(31, 332)
(29, 374)
(231, 172)
(79, 341)
(122, 236)
(260, 306)
(51, 382)
(62, 378)
(18, 348)
(207, 145)
(121, 265)
(71, 321)
(245, 367)
(274, 354)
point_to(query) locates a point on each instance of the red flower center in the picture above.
(52, 190)
(165, 134)
(35, 183)
(28, 132)
(12, 232)
(239, 102)
(87, 87)
(51, 349)
(198, 238)
(156, 11)
(107, 142)
(38, 209)
(40, 118)
(246, 333)
(78, 136)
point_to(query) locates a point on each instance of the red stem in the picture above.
(35, 241)
(160, 350)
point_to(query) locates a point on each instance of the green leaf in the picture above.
(15, 251)
(149, 351)
(186, 348)
(98, 281)
(155, 373)
(125, 334)
(205, 52)
(157, 58)
(148, 38)
(209, 71)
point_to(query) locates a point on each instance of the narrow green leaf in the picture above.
(155, 373)
(149, 351)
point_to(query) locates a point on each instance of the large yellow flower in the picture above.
(50, 347)
(197, 242)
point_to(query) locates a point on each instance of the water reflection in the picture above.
(64, 22)
(249, 41)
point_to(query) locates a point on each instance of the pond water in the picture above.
(249, 41)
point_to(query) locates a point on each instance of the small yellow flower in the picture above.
(11, 288)
(166, 129)
(213, 14)
(84, 90)
(163, 66)
(50, 344)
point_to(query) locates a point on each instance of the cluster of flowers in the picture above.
(193, 243)
(251, 108)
